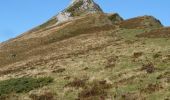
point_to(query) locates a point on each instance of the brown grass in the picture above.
(140, 22)
(44, 96)
(20, 47)
(157, 33)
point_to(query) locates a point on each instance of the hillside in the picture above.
(89, 56)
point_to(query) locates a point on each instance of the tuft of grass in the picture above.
(77, 83)
(45, 96)
(21, 85)
(137, 54)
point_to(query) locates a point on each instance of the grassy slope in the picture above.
(113, 62)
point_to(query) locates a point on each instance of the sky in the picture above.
(19, 16)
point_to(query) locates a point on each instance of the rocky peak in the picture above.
(78, 8)
(82, 6)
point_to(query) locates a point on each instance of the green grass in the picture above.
(50, 22)
(21, 85)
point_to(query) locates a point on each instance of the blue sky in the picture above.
(18, 16)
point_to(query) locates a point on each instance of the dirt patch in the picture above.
(157, 33)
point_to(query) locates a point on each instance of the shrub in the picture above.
(137, 54)
(95, 90)
(149, 68)
(24, 84)
(157, 55)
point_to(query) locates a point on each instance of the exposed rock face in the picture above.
(64, 16)
(78, 8)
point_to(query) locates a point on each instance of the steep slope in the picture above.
(18, 48)
(93, 56)
(76, 9)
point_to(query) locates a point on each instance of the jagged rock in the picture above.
(83, 6)
(62, 17)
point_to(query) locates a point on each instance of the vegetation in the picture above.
(21, 85)
(156, 33)
(44, 96)
(76, 28)
(95, 90)
(91, 59)
(48, 23)
(141, 22)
